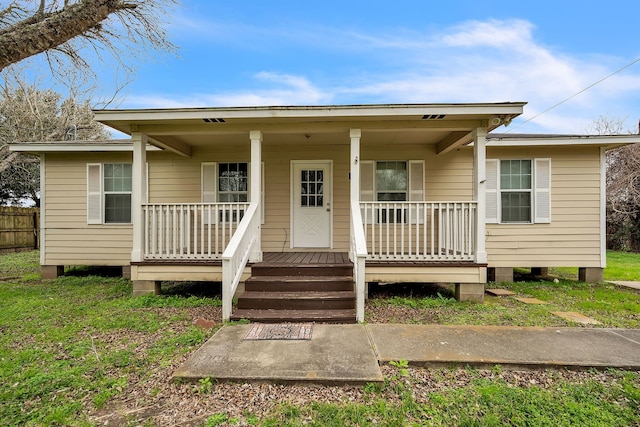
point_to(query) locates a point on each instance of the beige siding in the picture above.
(69, 239)
(571, 239)
(573, 236)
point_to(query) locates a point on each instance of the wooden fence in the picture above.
(19, 228)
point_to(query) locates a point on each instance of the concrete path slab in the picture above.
(334, 354)
(574, 316)
(499, 292)
(436, 345)
(531, 300)
(627, 284)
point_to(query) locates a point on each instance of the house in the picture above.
(284, 198)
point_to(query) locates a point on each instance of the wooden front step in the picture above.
(308, 270)
(296, 316)
(298, 283)
(287, 292)
(305, 300)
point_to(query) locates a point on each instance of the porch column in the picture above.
(354, 196)
(138, 193)
(479, 186)
(256, 190)
(355, 135)
(354, 171)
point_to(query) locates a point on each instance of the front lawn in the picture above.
(80, 350)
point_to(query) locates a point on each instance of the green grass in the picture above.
(67, 345)
(622, 266)
(70, 346)
(484, 401)
(614, 306)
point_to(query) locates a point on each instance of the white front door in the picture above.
(311, 218)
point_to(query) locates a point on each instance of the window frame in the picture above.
(377, 191)
(529, 190)
(97, 194)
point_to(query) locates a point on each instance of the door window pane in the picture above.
(311, 188)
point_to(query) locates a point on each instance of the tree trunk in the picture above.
(46, 31)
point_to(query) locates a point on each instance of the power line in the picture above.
(576, 94)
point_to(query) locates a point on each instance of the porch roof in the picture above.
(179, 129)
(124, 119)
(530, 140)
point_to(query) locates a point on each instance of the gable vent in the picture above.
(433, 116)
(213, 120)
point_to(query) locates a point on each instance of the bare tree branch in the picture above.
(66, 29)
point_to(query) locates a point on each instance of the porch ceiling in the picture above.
(447, 125)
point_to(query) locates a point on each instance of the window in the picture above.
(391, 181)
(515, 190)
(233, 182)
(109, 193)
(518, 191)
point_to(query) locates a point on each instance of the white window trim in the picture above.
(540, 191)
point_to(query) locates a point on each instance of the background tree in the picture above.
(29, 114)
(623, 188)
(72, 35)
(71, 31)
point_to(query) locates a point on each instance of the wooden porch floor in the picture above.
(301, 258)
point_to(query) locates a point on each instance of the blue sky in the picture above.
(357, 52)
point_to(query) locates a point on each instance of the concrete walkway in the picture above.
(352, 353)
(627, 284)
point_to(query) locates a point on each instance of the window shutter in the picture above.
(542, 191)
(209, 179)
(367, 180)
(94, 193)
(416, 180)
(416, 190)
(491, 191)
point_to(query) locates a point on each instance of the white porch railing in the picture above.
(189, 231)
(358, 255)
(236, 256)
(427, 231)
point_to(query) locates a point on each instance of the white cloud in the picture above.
(476, 61)
(287, 90)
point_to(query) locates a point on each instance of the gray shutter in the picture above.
(416, 190)
(367, 181)
(491, 191)
(209, 180)
(542, 191)
(94, 193)
(416, 180)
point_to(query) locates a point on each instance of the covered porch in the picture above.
(442, 237)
